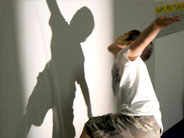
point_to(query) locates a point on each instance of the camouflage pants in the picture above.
(121, 126)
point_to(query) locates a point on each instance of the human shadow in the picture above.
(55, 88)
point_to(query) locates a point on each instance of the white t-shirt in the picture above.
(133, 87)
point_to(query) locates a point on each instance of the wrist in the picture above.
(155, 25)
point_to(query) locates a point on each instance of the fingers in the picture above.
(177, 18)
(171, 20)
(165, 21)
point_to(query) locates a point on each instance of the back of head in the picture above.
(133, 35)
(146, 54)
(82, 24)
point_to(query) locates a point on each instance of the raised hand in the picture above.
(162, 22)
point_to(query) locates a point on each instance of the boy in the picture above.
(139, 114)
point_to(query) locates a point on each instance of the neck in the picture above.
(114, 50)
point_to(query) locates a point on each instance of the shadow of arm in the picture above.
(82, 82)
(53, 7)
(24, 127)
(55, 11)
(38, 105)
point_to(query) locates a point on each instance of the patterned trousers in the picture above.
(121, 126)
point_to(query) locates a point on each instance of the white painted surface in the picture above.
(25, 49)
(169, 77)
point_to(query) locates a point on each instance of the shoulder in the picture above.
(123, 57)
(123, 54)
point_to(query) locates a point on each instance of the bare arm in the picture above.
(149, 34)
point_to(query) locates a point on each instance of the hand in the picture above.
(162, 22)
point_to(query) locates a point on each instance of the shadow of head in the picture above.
(82, 24)
(55, 87)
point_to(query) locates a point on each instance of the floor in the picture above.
(176, 131)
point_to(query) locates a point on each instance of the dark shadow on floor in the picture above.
(55, 88)
(176, 131)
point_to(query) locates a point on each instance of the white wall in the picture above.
(25, 42)
(25, 51)
(169, 77)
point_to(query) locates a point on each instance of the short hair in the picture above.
(133, 35)
(147, 52)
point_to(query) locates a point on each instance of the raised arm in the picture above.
(53, 7)
(56, 15)
(82, 82)
(149, 34)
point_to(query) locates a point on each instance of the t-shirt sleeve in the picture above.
(127, 68)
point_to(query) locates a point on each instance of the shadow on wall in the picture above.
(11, 88)
(55, 88)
